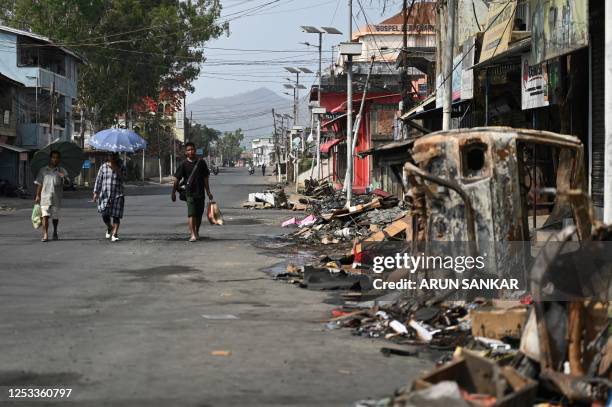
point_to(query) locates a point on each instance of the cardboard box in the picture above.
(495, 323)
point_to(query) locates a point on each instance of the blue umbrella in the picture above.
(118, 141)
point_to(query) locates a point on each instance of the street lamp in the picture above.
(320, 31)
(296, 98)
(349, 49)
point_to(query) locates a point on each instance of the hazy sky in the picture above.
(274, 25)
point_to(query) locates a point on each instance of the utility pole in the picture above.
(52, 111)
(319, 173)
(276, 147)
(82, 132)
(127, 105)
(348, 179)
(404, 70)
(297, 100)
(447, 78)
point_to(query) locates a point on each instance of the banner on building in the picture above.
(472, 18)
(455, 80)
(467, 73)
(534, 83)
(558, 27)
(500, 22)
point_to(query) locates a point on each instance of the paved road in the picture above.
(133, 323)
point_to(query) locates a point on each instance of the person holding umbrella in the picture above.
(108, 193)
(49, 188)
(108, 189)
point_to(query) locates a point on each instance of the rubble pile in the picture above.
(511, 366)
(268, 199)
(330, 221)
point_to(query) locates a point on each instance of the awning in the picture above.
(10, 80)
(420, 114)
(514, 50)
(395, 146)
(419, 108)
(14, 148)
(325, 147)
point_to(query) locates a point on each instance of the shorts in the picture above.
(195, 206)
(51, 211)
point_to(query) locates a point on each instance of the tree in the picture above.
(204, 136)
(133, 49)
(229, 146)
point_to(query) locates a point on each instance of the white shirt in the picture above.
(52, 181)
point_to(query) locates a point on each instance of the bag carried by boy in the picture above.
(214, 214)
(36, 216)
(185, 185)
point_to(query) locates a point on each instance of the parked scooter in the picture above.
(251, 170)
(214, 169)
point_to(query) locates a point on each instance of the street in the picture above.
(136, 323)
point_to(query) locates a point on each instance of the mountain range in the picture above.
(250, 111)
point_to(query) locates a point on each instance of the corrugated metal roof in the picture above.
(40, 38)
(14, 148)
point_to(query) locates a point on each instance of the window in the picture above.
(473, 160)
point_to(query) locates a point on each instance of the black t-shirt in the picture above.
(183, 172)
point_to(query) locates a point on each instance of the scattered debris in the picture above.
(220, 316)
(221, 353)
(399, 352)
(270, 198)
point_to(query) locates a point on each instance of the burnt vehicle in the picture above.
(485, 186)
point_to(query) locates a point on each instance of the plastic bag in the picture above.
(36, 216)
(214, 214)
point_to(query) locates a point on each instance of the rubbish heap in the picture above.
(268, 199)
(330, 221)
(508, 367)
(525, 352)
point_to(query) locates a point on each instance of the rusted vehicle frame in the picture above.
(569, 180)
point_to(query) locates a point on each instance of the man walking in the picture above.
(50, 185)
(263, 169)
(193, 173)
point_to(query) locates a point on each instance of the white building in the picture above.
(263, 151)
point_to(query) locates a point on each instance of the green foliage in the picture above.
(203, 136)
(229, 146)
(141, 45)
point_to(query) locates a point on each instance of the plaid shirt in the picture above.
(109, 188)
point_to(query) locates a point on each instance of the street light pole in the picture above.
(319, 101)
(348, 179)
(448, 68)
(320, 32)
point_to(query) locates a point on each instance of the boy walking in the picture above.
(194, 174)
(49, 189)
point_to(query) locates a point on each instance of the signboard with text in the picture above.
(558, 27)
(534, 84)
(467, 74)
(499, 29)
